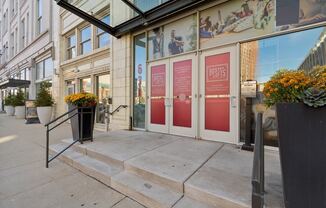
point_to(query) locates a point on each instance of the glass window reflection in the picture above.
(262, 59)
(139, 81)
(103, 93)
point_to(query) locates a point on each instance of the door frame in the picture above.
(233, 136)
(185, 131)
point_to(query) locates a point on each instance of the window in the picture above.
(103, 38)
(39, 71)
(23, 33)
(16, 41)
(48, 67)
(259, 62)
(6, 51)
(5, 22)
(86, 85)
(39, 16)
(103, 93)
(12, 48)
(85, 44)
(44, 69)
(71, 44)
(139, 81)
(27, 31)
(23, 74)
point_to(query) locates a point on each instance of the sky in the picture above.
(284, 52)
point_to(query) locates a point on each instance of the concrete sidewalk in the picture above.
(25, 182)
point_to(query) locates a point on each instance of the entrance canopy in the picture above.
(128, 15)
(14, 83)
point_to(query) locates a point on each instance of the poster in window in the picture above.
(297, 13)
(172, 39)
(231, 21)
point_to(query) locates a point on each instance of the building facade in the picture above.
(197, 70)
(27, 44)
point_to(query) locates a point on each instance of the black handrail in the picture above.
(258, 171)
(48, 129)
(118, 109)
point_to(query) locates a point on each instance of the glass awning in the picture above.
(125, 15)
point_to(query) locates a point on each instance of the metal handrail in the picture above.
(118, 109)
(258, 171)
(80, 139)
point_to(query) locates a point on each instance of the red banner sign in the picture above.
(158, 80)
(182, 89)
(217, 91)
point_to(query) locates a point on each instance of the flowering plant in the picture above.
(293, 86)
(81, 99)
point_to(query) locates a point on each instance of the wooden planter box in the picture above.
(85, 121)
(302, 145)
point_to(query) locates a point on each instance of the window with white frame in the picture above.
(85, 38)
(102, 37)
(44, 69)
(16, 41)
(23, 33)
(12, 48)
(39, 16)
(71, 46)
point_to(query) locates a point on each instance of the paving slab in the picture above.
(187, 202)
(124, 145)
(225, 180)
(128, 203)
(174, 163)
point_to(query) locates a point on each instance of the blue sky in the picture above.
(286, 51)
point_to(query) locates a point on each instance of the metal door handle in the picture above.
(233, 101)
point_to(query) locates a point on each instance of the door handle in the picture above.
(233, 101)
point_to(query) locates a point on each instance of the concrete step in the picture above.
(88, 165)
(90, 150)
(144, 191)
(187, 202)
(163, 180)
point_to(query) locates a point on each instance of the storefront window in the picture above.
(86, 85)
(103, 93)
(139, 81)
(260, 60)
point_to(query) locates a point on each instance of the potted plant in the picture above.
(82, 124)
(43, 103)
(19, 103)
(9, 108)
(300, 101)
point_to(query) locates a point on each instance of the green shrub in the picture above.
(19, 98)
(44, 97)
(9, 100)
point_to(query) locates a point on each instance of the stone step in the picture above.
(88, 149)
(187, 202)
(154, 177)
(88, 165)
(144, 191)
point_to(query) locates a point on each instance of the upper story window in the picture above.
(103, 38)
(12, 49)
(39, 16)
(23, 37)
(71, 46)
(85, 37)
(5, 22)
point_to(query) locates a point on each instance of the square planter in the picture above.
(302, 146)
(85, 121)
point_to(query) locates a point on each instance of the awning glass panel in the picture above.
(122, 12)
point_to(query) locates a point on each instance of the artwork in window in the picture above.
(172, 39)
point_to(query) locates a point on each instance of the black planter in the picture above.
(84, 120)
(302, 145)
